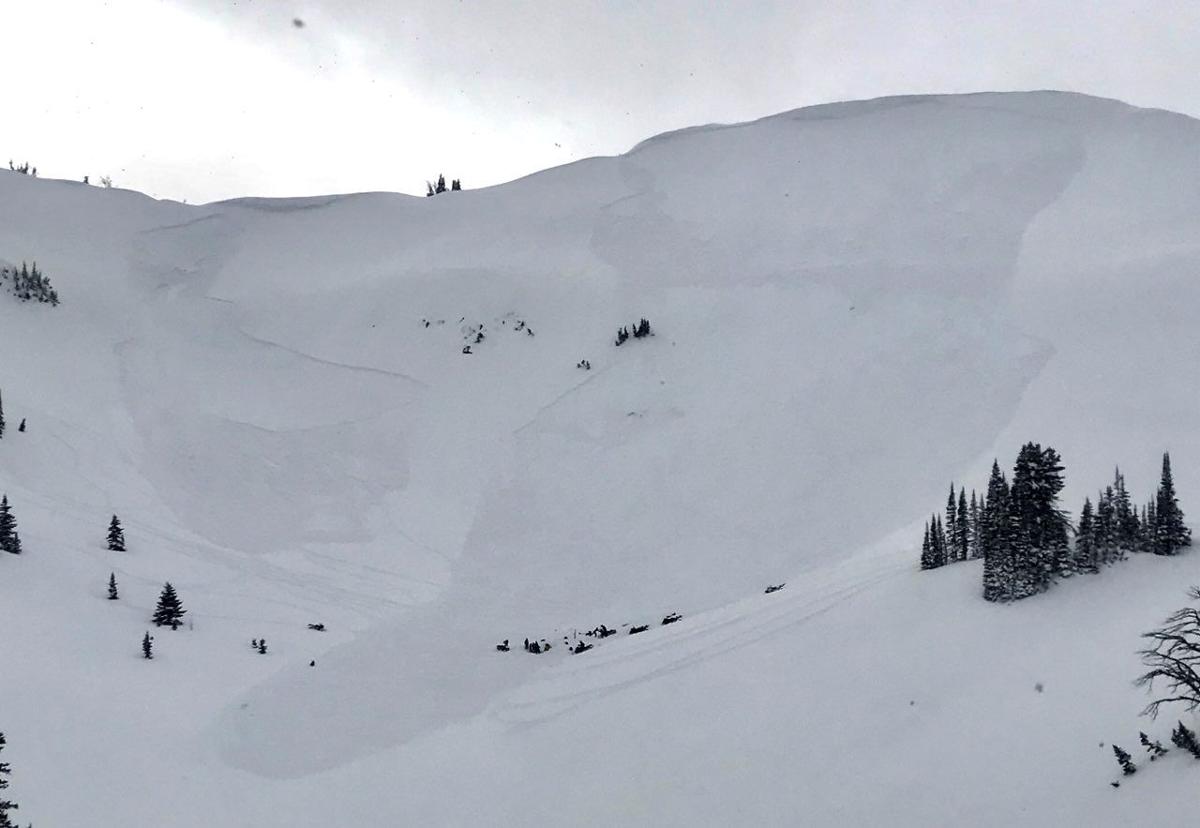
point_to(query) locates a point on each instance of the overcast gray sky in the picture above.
(207, 99)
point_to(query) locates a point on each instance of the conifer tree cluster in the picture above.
(28, 284)
(6, 806)
(23, 169)
(432, 189)
(1024, 537)
(641, 329)
(10, 540)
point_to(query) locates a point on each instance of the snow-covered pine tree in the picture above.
(116, 535)
(1154, 748)
(1, 418)
(951, 527)
(927, 561)
(962, 530)
(1170, 533)
(147, 646)
(1125, 761)
(994, 538)
(441, 184)
(1106, 527)
(455, 185)
(1125, 517)
(169, 612)
(112, 587)
(1185, 739)
(10, 540)
(1030, 563)
(6, 806)
(1085, 540)
(973, 550)
(939, 533)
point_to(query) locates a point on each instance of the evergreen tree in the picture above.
(1154, 748)
(112, 586)
(116, 535)
(1185, 739)
(994, 538)
(1106, 527)
(963, 531)
(1, 418)
(1170, 533)
(939, 541)
(927, 559)
(5, 805)
(169, 612)
(975, 551)
(147, 646)
(1125, 761)
(951, 527)
(1124, 516)
(1150, 524)
(10, 540)
(262, 646)
(441, 184)
(1085, 540)
(455, 185)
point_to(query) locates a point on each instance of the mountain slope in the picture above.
(853, 305)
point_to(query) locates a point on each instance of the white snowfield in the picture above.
(853, 305)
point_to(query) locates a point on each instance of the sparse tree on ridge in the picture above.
(116, 535)
(1, 418)
(169, 612)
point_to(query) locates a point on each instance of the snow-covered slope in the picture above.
(853, 305)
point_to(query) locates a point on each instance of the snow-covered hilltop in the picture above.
(852, 306)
